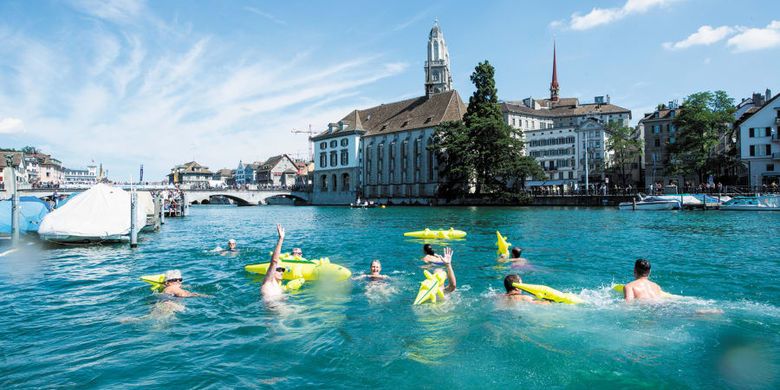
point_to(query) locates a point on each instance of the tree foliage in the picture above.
(704, 134)
(626, 147)
(482, 152)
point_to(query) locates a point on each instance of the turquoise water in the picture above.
(80, 317)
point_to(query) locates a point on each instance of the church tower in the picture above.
(437, 68)
(554, 83)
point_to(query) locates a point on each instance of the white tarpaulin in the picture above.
(100, 213)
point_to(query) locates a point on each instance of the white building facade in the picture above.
(337, 163)
(76, 177)
(759, 144)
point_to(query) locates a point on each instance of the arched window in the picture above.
(345, 182)
(334, 158)
(324, 183)
(369, 161)
(435, 50)
(335, 183)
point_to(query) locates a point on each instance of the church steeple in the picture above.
(437, 67)
(554, 83)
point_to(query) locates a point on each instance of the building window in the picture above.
(368, 162)
(768, 150)
(657, 142)
(752, 150)
(334, 158)
(334, 143)
(344, 157)
(323, 160)
(768, 132)
(430, 159)
(404, 159)
(324, 183)
(323, 145)
(751, 132)
(345, 182)
(770, 167)
(380, 160)
(345, 142)
(335, 188)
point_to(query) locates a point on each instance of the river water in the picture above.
(79, 316)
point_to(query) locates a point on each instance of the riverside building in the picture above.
(759, 141)
(559, 132)
(382, 153)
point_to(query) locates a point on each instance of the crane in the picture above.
(310, 132)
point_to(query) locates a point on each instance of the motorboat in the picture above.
(753, 203)
(363, 205)
(651, 203)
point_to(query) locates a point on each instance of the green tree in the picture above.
(704, 133)
(626, 148)
(30, 150)
(482, 151)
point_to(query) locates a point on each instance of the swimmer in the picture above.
(430, 256)
(447, 260)
(516, 259)
(272, 283)
(232, 248)
(375, 272)
(173, 281)
(515, 294)
(642, 288)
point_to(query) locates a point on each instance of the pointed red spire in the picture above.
(554, 83)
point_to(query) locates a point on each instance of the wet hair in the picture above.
(509, 279)
(375, 261)
(516, 252)
(428, 250)
(642, 267)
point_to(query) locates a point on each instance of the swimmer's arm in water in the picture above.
(275, 257)
(447, 260)
(628, 292)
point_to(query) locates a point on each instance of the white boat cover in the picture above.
(145, 203)
(101, 212)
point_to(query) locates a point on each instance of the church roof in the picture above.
(565, 107)
(417, 113)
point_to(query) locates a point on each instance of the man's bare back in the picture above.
(643, 289)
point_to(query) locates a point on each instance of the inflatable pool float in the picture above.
(445, 234)
(430, 288)
(294, 285)
(307, 269)
(503, 246)
(549, 293)
(157, 281)
(620, 287)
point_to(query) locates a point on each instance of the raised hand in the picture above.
(280, 230)
(447, 259)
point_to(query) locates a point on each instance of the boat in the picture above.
(99, 214)
(753, 203)
(651, 203)
(31, 212)
(363, 205)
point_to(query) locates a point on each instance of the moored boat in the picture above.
(753, 203)
(651, 203)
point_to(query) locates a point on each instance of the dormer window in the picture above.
(428, 120)
(405, 123)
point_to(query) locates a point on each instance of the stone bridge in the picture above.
(244, 197)
(239, 197)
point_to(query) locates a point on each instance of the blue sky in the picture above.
(132, 82)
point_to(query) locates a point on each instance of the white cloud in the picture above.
(10, 125)
(705, 35)
(600, 16)
(749, 39)
(194, 97)
(117, 11)
(266, 15)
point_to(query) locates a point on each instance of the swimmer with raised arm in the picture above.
(272, 283)
(642, 288)
(447, 261)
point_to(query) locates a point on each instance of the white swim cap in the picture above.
(231, 241)
(172, 274)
